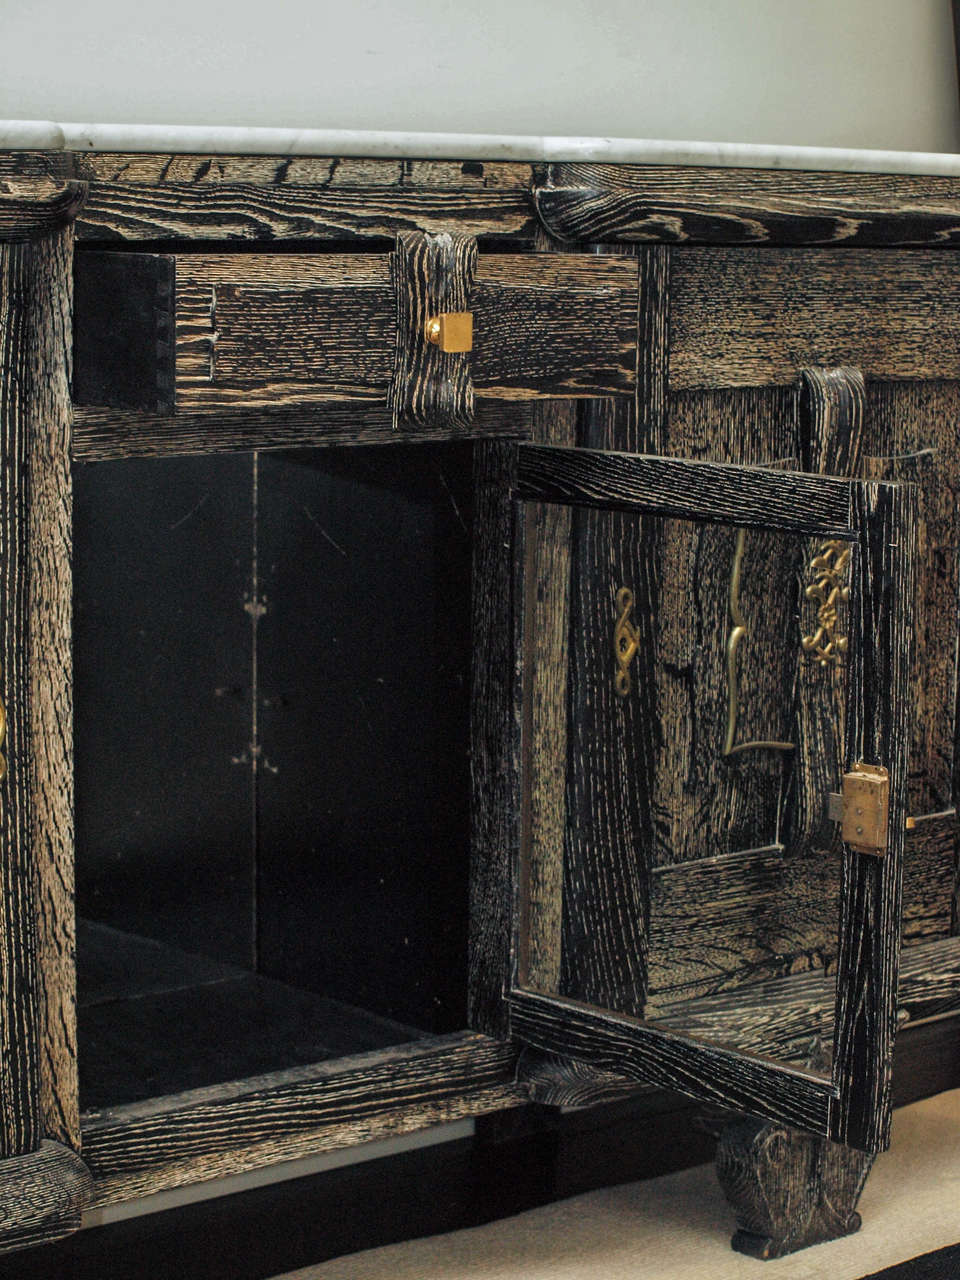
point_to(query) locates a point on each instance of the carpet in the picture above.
(678, 1227)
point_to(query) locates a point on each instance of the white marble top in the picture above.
(44, 135)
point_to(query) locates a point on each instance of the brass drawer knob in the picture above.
(451, 330)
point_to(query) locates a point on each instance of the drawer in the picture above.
(204, 333)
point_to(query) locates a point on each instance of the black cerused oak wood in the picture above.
(301, 198)
(432, 276)
(877, 731)
(42, 1195)
(748, 317)
(38, 1072)
(831, 435)
(881, 527)
(105, 435)
(789, 1189)
(20, 1124)
(741, 206)
(718, 923)
(43, 1182)
(33, 207)
(518, 1161)
(751, 496)
(145, 1147)
(284, 330)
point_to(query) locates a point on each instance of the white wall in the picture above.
(870, 73)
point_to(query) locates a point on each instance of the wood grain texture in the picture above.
(606, 859)
(35, 207)
(157, 169)
(790, 1190)
(653, 330)
(680, 204)
(300, 198)
(706, 804)
(288, 329)
(101, 435)
(42, 1195)
(20, 1123)
(910, 437)
(705, 491)
(780, 1018)
(831, 410)
(556, 1080)
(644, 1052)
(51, 681)
(142, 1148)
(495, 734)
(877, 731)
(724, 923)
(431, 274)
(745, 317)
(37, 164)
(545, 718)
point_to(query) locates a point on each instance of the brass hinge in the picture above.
(862, 808)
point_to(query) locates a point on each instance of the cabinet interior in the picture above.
(272, 660)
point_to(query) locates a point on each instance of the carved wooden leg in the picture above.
(789, 1189)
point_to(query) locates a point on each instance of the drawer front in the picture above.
(240, 331)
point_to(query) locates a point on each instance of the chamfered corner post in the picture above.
(43, 1181)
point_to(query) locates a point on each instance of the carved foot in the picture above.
(789, 1189)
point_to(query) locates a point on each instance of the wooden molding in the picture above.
(30, 208)
(41, 1196)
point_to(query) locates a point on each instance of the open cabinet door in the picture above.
(562, 907)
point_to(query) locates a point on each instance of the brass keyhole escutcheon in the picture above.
(626, 642)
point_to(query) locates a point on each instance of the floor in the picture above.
(678, 1226)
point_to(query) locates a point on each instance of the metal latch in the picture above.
(862, 808)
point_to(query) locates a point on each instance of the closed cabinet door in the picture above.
(596, 881)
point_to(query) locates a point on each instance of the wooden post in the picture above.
(41, 1181)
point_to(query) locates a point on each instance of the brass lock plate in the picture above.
(865, 805)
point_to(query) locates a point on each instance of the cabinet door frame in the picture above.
(852, 1104)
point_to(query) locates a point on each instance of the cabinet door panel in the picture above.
(563, 990)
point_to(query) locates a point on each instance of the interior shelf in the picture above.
(155, 1020)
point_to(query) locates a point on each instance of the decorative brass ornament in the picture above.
(737, 632)
(451, 330)
(626, 642)
(826, 645)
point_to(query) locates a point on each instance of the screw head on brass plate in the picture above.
(451, 330)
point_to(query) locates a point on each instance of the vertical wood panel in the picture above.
(605, 896)
(20, 1128)
(431, 275)
(546, 664)
(878, 722)
(495, 739)
(831, 438)
(911, 435)
(51, 674)
(704, 804)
